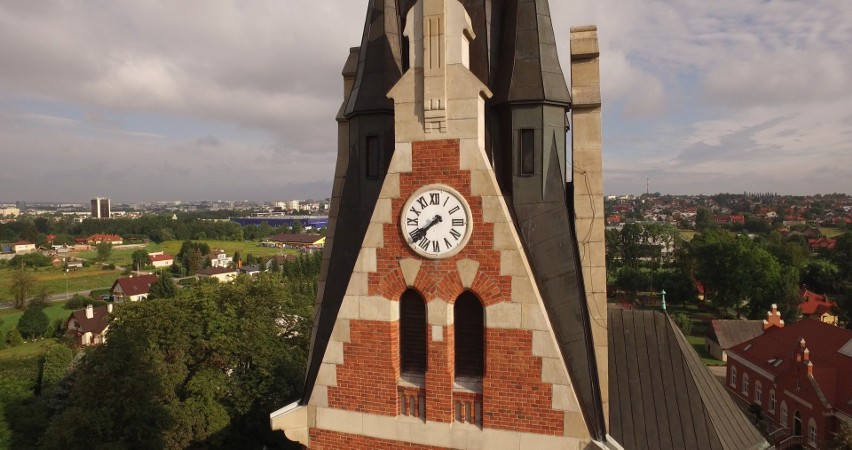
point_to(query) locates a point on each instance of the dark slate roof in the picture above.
(530, 70)
(728, 333)
(296, 238)
(661, 394)
(215, 271)
(98, 322)
(135, 285)
(379, 61)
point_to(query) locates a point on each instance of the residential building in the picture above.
(251, 271)
(101, 208)
(799, 376)
(295, 241)
(724, 334)
(818, 307)
(219, 258)
(96, 239)
(160, 260)
(9, 212)
(132, 288)
(222, 274)
(89, 326)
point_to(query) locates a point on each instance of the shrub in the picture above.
(14, 338)
(80, 302)
(33, 322)
(683, 322)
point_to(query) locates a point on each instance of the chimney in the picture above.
(806, 355)
(109, 308)
(810, 366)
(773, 319)
(90, 312)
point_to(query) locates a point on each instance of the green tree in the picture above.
(297, 227)
(22, 282)
(140, 259)
(54, 366)
(632, 280)
(202, 371)
(683, 322)
(14, 338)
(704, 219)
(164, 287)
(34, 321)
(842, 439)
(104, 250)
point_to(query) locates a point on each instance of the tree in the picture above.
(842, 439)
(14, 338)
(683, 322)
(54, 366)
(632, 280)
(21, 284)
(202, 371)
(703, 219)
(34, 321)
(104, 250)
(140, 259)
(164, 287)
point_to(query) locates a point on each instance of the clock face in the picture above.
(436, 222)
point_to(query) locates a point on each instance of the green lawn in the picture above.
(698, 344)
(830, 232)
(120, 256)
(244, 247)
(54, 278)
(11, 316)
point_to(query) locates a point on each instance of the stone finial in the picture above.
(773, 318)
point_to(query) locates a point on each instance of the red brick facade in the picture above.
(331, 440)
(513, 396)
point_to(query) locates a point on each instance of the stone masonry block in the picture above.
(349, 308)
(390, 188)
(378, 309)
(494, 210)
(543, 345)
(504, 237)
(340, 421)
(366, 260)
(327, 375)
(472, 155)
(564, 398)
(533, 317)
(512, 264)
(467, 271)
(523, 291)
(382, 212)
(409, 267)
(503, 315)
(358, 284)
(553, 371)
(439, 313)
(483, 183)
(401, 161)
(341, 331)
(319, 397)
(375, 236)
(575, 426)
(334, 353)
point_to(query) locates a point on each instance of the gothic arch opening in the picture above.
(469, 317)
(412, 333)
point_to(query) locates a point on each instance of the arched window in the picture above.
(733, 381)
(470, 336)
(412, 332)
(772, 401)
(758, 393)
(783, 419)
(745, 384)
(797, 424)
(812, 437)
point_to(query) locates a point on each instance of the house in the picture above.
(296, 241)
(280, 260)
(132, 288)
(113, 239)
(798, 375)
(220, 259)
(822, 244)
(724, 334)
(73, 265)
(251, 271)
(23, 247)
(818, 307)
(222, 274)
(89, 326)
(160, 259)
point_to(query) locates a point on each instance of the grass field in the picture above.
(698, 344)
(120, 256)
(53, 279)
(244, 247)
(10, 317)
(830, 232)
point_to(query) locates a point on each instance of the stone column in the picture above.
(588, 188)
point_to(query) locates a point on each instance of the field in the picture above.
(121, 257)
(54, 278)
(11, 316)
(830, 232)
(244, 247)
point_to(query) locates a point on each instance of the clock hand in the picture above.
(420, 233)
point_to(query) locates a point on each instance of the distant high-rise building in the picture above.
(100, 208)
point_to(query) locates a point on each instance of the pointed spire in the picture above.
(379, 61)
(530, 66)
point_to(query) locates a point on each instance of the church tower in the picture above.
(452, 311)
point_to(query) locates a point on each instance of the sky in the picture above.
(158, 100)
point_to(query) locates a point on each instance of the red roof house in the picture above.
(113, 239)
(89, 326)
(132, 288)
(822, 243)
(799, 375)
(817, 306)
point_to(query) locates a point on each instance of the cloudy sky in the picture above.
(235, 99)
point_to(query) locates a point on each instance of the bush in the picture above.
(80, 301)
(108, 267)
(683, 322)
(14, 338)
(33, 322)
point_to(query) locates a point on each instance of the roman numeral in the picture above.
(435, 198)
(422, 202)
(416, 212)
(448, 243)
(454, 210)
(455, 234)
(436, 246)
(424, 243)
(458, 222)
(411, 222)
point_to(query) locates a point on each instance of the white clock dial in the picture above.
(436, 222)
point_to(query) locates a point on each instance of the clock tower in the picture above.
(452, 311)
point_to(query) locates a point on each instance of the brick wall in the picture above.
(330, 440)
(514, 398)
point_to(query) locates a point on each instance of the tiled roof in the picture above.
(775, 352)
(98, 322)
(105, 237)
(814, 303)
(215, 271)
(729, 333)
(662, 396)
(137, 285)
(163, 257)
